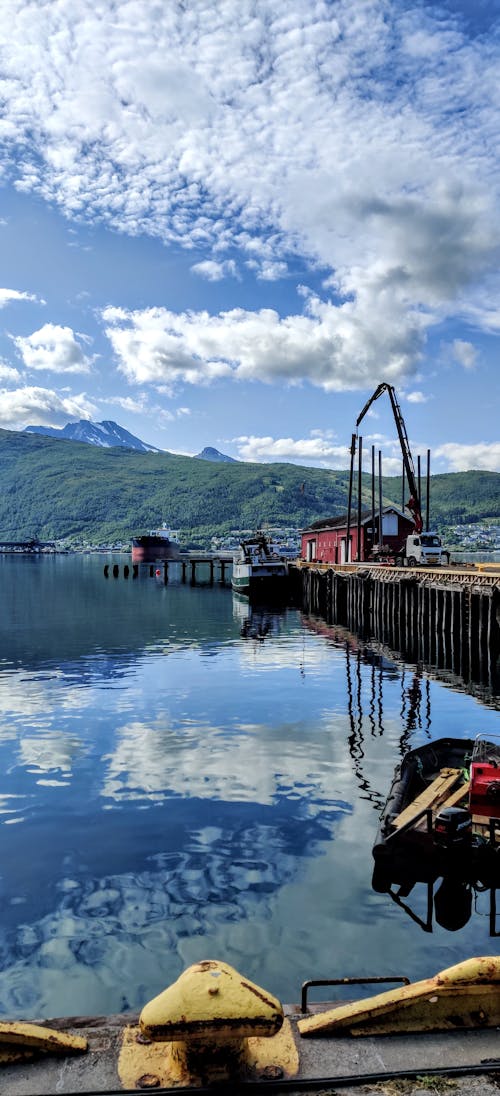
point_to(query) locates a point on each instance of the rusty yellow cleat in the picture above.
(463, 996)
(211, 1024)
(211, 1000)
(20, 1041)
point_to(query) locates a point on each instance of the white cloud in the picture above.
(55, 349)
(214, 271)
(8, 373)
(127, 403)
(313, 450)
(464, 353)
(316, 451)
(8, 295)
(358, 136)
(333, 347)
(416, 397)
(41, 407)
(319, 450)
(464, 458)
(268, 271)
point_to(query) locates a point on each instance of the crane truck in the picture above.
(421, 547)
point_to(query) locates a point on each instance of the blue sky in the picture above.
(224, 223)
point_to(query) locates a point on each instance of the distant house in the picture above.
(325, 541)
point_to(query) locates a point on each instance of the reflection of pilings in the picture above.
(162, 569)
(448, 626)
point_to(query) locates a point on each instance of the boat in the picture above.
(442, 815)
(156, 545)
(258, 569)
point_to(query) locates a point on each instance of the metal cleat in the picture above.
(211, 1025)
(463, 996)
(20, 1041)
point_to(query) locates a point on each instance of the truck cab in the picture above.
(426, 549)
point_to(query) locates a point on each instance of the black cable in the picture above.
(303, 1084)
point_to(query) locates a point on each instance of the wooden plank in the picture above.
(452, 801)
(481, 827)
(457, 796)
(433, 796)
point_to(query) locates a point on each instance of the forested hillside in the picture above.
(58, 489)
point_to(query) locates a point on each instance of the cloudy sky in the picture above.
(224, 222)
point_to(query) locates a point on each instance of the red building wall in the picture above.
(327, 545)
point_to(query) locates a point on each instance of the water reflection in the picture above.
(154, 811)
(59, 611)
(448, 902)
(188, 877)
(415, 709)
(257, 621)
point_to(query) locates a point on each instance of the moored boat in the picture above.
(258, 570)
(442, 815)
(157, 544)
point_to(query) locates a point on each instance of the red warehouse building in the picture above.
(324, 541)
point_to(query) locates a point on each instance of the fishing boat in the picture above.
(157, 544)
(442, 815)
(258, 569)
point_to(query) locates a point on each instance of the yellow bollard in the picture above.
(210, 1025)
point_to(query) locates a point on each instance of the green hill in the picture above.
(57, 489)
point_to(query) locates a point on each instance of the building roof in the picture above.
(341, 522)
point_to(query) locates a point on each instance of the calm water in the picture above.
(181, 779)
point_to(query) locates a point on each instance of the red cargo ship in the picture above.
(157, 544)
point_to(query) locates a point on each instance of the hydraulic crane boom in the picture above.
(413, 503)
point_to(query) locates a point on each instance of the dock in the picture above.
(462, 1063)
(186, 568)
(446, 617)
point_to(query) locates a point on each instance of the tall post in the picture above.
(380, 498)
(428, 492)
(419, 478)
(373, 497)
(349, 504)
(360, 465)
(403, 492)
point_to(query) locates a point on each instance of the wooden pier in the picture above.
(184, 569)
(449, 618)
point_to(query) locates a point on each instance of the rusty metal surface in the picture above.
(331, 1058)
(464, 996)
(380, 980)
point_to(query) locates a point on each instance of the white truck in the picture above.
(425, 549)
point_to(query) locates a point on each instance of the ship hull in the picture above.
(148, 549)
(251, 578)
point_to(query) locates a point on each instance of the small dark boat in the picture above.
(442, 815)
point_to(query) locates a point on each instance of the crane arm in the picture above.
(414, 500)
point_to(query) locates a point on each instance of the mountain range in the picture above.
(109, 435)
(106, 494)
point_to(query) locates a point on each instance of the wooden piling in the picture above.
(445, 624)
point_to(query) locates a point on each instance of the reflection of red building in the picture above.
(325, 541)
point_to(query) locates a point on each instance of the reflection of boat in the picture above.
(157, 544)
(257, 569)
(442, 815)
(257, 621)
(449, 900)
